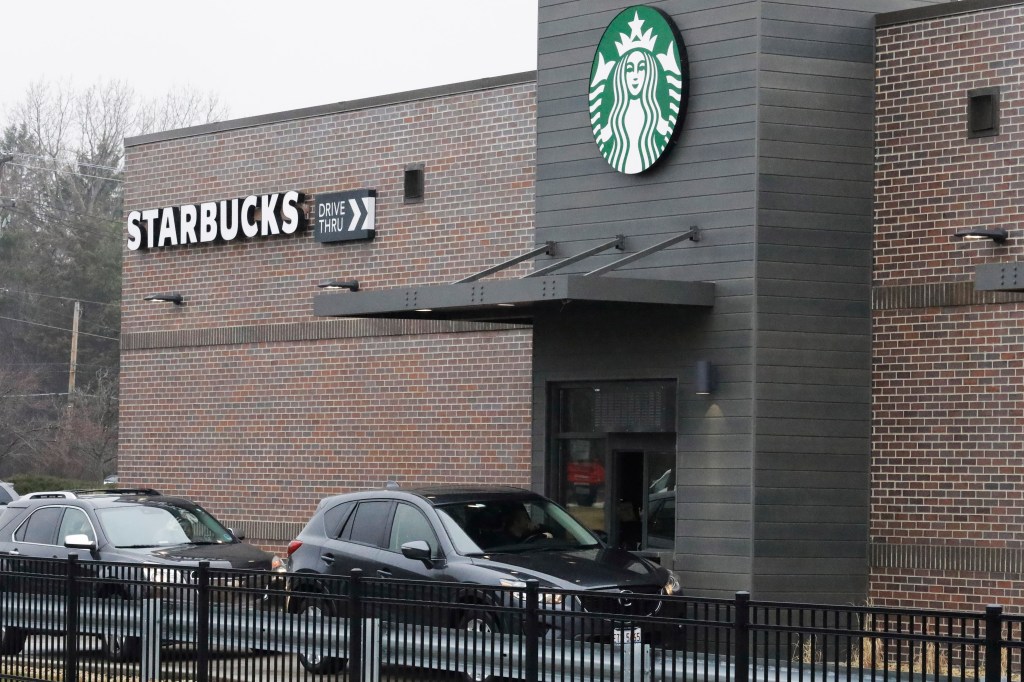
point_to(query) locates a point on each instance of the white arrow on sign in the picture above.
(370, 204)
(356, 214)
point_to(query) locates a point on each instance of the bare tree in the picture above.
(19, 425)
(83, 444)
(60, 241)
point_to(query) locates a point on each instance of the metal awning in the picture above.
(512, 300)
(519, 300)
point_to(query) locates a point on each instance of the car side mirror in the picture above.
(601, 535)
(418, 550)
(240, 534)
(79, 541)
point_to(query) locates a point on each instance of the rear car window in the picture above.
(335, 518)
(369, 522)
(41, 527)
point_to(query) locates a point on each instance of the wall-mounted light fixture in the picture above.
(174, 297)
(996, 234)
(705, 377)
(350, 284)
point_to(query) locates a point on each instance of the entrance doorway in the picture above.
(643, 485)
(619, 484)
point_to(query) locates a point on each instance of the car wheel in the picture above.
(122, 648)
(478, 621)
(12, 641)
(313, 661)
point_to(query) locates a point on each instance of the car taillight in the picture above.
(293, 545)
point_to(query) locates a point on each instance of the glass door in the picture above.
(613, 463)
(642, 483)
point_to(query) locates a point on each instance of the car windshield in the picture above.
(152, 525)
(512, 525)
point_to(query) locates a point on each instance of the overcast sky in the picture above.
(259, 56)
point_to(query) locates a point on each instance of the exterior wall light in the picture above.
(996, 234)
(705, 377)
(175, 298)
(350, 284)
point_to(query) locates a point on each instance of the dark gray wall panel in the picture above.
(814, 460)
(802, 132)
(774, 163)
(811, 100)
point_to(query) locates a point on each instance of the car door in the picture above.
(35, 538)
(409, 524)
(360, 541)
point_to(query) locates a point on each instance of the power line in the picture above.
(63, 298)
(66, 172)
(44, 309)
(46, 364)
(50, 158)
(40, 324)
(32, 395)
(14, 207)
(96, 229)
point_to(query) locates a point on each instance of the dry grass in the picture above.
(870, 653)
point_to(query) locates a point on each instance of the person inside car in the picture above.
(520, 527)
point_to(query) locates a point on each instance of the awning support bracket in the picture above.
(548, 248)
(693, 234)
(618, 243)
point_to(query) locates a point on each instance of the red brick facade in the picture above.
(947, 524)
(245, 401)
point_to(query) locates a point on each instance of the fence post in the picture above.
(531, 631)
(71, 619)
(741, 633)
(203, 624)
(355, 626)
(993, 642)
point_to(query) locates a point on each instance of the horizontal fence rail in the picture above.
(88, 620)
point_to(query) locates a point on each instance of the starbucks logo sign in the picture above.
(638, 88)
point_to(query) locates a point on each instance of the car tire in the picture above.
(478, 621)
(12, 641)
(314, 663)
(122, 648)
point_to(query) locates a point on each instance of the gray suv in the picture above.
(139, 526)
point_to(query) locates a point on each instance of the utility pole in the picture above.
(74, 350)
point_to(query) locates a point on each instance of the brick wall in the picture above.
(243, 400)
(947, 525)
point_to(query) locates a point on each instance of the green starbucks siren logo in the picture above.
(638, 88)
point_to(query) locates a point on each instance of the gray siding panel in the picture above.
(774, 163)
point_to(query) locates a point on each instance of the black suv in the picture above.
(491, 536)
(138, 526)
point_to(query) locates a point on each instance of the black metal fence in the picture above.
(84, 620)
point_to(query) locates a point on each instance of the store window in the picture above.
(613, 463)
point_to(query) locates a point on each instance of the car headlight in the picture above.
(165, 575)
(549, 598)
(672, 584)
(277, 565)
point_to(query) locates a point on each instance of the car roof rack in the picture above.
(118, 491)
(75, 494)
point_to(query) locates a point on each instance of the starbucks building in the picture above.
(679, 279)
